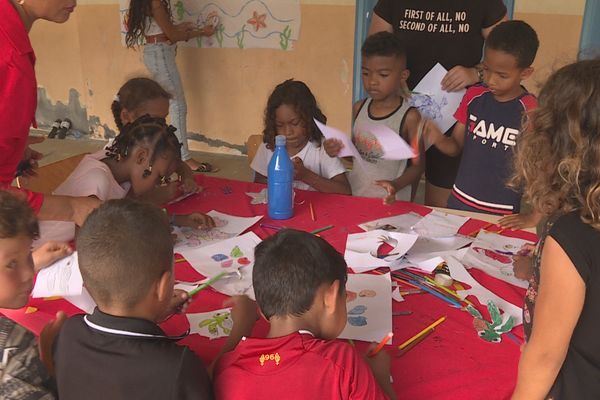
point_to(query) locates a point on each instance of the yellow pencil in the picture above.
(425, 331)
(312, 212)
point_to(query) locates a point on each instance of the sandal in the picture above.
(206, 167)
(55, 126)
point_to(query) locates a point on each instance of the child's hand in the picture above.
(48, 253)
(299, 168)
(171, 190)
(46, 340)
(458, 78)
(333, 147)
(523, 267)
(391, 190)
(195, 220)
(519, 221)
(189, 185)
(177, 305)
(208, 30)
(243, 313)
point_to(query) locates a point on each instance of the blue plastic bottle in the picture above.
(280, 180)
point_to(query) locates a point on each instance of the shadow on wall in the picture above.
(90, 126)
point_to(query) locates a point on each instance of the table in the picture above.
(452, 363)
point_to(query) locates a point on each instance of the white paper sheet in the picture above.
(458, 272)
(426, 247)
(396, 223)
(348, 149)
(437, 224)
(492, 253)
(369, 307)
(82, 301)
(390, 142)
(435, 103)
(231, 255)
(361, 248)
(59, 279)
(212, 324)
(227, 226)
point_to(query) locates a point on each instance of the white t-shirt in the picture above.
(312, 155)
(91, 177)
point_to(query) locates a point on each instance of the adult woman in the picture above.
(450, 32)
(18, 100)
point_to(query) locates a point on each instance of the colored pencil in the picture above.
(425, 331)
(400, 313)
(351, 342)
(321, 229)
(483, 228)
(206, 284)
(312, 212)
(414, 343)
(271, 226)
(381, 344)
(437, 294)
(512, 337)
(445, 289)
(180, 260)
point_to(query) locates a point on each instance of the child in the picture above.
(119, 352)
(23, 374)
(384, 73)
(143, 96)
(556, 161)
(488, 123)
(149, 22)
(290, 112)
(144, 155)
(299, 281)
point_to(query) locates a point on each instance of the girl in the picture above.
(150, 21)
(143, 96)
(144, 155)
(558, 162)
(290, 112)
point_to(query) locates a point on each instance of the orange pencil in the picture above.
(312, 212)
(381, 344)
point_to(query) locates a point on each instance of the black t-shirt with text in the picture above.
(444, 31)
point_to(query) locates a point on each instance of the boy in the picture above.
(119, 352)
(384, 76)
(488, 124)
(299, 281)
(23, 374)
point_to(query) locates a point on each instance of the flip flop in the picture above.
(206, 167)
(64, 128)
(55, 126)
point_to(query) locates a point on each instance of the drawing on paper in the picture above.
(236, 254)
(212, 324)
(238, 23)
(367, 145)
(355, 317)
(429, 107)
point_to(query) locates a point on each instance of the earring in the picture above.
(148, 171)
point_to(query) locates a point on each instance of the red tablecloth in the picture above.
(452, 363)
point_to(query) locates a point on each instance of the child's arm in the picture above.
(179, 32)
(244, 316)
(521, 221)
(47, 338)
(188, 182)
(544, 354)
(194, 220)
(337, 184)
(413, 171)
(449, 145)
(380, 366)
(523, 262)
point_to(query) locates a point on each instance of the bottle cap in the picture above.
(279, 140)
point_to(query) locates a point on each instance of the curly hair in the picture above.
(133, 94)
(151, 131)
(298, 96)
(16, 217)
(136, 19)
(557, 157)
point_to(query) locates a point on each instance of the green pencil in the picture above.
(321, 229)
(206, 284)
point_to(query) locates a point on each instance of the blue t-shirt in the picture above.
(492, 129)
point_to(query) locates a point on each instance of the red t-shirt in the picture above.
(18, 96)
(297, 366)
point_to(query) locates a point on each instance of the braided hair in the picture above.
(297, 95)
(151, 131)
(137, 18)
